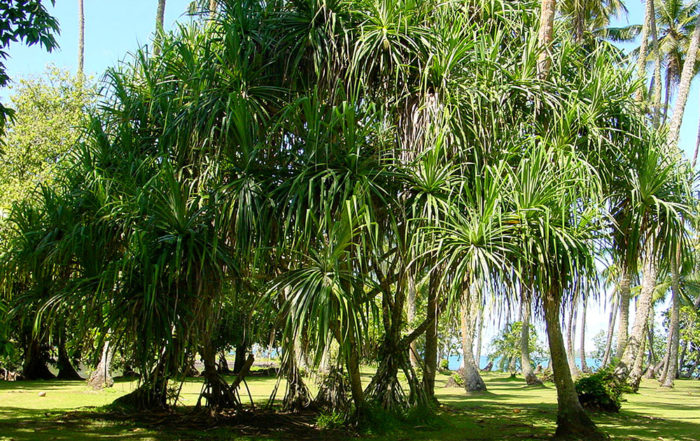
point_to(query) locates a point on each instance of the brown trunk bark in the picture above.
(81, 40)
(671, 369)
(584, 306)
(624, 300)
(472, 379)
(525, 361)
(687, 75)
(411, 316)
(611, 330)
(66, 371)
(102, 377)
(430, 356)
(160, 20)
(626, 364)
(572, 420)
(644, 42)
(570, 338)
(545, 36)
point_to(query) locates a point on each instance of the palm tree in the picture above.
(687, 75)
(545, 36)
(160, 18)
(81, 39)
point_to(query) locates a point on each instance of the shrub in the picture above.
(330, 420)
(601, 391)
(444, 365)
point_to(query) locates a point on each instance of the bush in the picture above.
(601, 391)
(444, 365)
(332, 420)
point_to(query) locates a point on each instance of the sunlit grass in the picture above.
(509, 410)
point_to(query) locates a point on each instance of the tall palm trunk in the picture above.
(525, 361)
(570, 338)
(671, 367)
(642, 58)
(160, 20)
(624, 368)
(81, 40)
(584, 306)
(611, 330)
(545, 36)
(411, 316)
(472, 379)
(430, 355)
(572, 420)
(479, 329)
(624, 292)
(657, 67)
(684, 86)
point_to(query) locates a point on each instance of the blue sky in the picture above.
(113, 28)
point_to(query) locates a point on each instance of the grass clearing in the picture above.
(509, 410)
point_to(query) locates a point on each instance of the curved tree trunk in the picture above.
(636, 339)
(102, 377)
(684, 86)
(624, 301)
(472, 379)
(239, 361)
(572, 420)
(525, 361)
(66, 371)
(671, 368)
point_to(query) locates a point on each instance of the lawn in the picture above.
(509, 410)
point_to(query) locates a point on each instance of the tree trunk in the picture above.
(430, 356)
(657, 66)
(644, 42)
(239, 361)
(212, 8)
(624, 300)
(215, 390)
(684, 86)
(353, 364)
(572, 420)
(479, 329)
(160, 21)
(571, 337)
(624, 367)
(584, 306)
(102, 377)
(472, 379)
(297, 397)
(81, 41)
(545, 36)
(66, 371)
(34, 366)
(223, 364)
(635, 376)
(411, 316)
(611, 330)
(671, 367)
(525, 361)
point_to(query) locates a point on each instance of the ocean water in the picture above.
(456, 360)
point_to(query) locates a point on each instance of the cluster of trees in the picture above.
(337, 178)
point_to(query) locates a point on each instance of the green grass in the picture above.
(509, 410)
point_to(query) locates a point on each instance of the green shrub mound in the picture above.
(601, 391)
